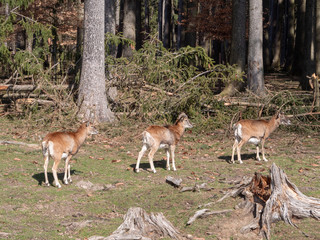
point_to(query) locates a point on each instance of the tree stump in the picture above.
(274, 198)
(138, 224)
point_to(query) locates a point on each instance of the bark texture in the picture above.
(238, 44)
(92, 98)
(255, 59)
(129, 24)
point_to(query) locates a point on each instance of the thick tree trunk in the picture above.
(317, 33)
(309, 57)
(167, 24)
(297, 65)
(291, 35)
(146, 16)
(129, 25)
(276, 61)
(92, 91)
(238, 45)
(255, 59)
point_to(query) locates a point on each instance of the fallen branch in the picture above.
(5, 142)
(204, 213)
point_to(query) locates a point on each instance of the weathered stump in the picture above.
(274, 198)
(138, 224)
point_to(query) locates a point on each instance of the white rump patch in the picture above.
(147, 139)
(254, 140)
(50, 147)
(238, 132)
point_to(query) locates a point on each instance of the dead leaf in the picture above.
(119, 184)
(116, 161)
(300, 170)
(315, 165)
(100, 158)
(91, 157)
(35, 162)
(185, 157)
(17, 159)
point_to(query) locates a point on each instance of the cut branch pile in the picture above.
(274, 198)
(140, 225)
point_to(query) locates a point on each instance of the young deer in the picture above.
(59, 145)
(155, 137)
(255, 131)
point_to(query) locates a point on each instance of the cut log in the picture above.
(140, 225)
(274, 198)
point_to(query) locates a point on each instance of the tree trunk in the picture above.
(167, 23)
(238, 45)
(278, 36)
(110, 16)
(317, 33)
(179, 32)
(146, 16)
(138, 25)
(291, 35)
(309, 58)
(297, 65)
(255, 59)
(129, 25)
(160, 6)
(92, 91)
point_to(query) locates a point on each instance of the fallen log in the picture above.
(196, 188)
(138, 224)
(274, 198)
(5, 142)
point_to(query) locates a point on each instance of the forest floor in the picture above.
(29, 210)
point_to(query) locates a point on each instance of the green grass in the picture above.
(31, 211)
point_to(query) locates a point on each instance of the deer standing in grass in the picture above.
(63, 145)
(155, 137)
(255, 131)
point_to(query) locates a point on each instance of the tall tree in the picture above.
(92, 91)
(290, 36)
(309, 58)
(255, 49)
(110, 16)
(297, 65)
(238, 44)
(129, 24)
(167, 23)
(278, 35)
(317, 37)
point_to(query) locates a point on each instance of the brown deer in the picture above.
(63, 145)
(255, 131)
(155, 137)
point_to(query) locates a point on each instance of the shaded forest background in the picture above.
(162, 56)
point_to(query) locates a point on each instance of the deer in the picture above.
(255, 131)
(167, 137)
(64, 145)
